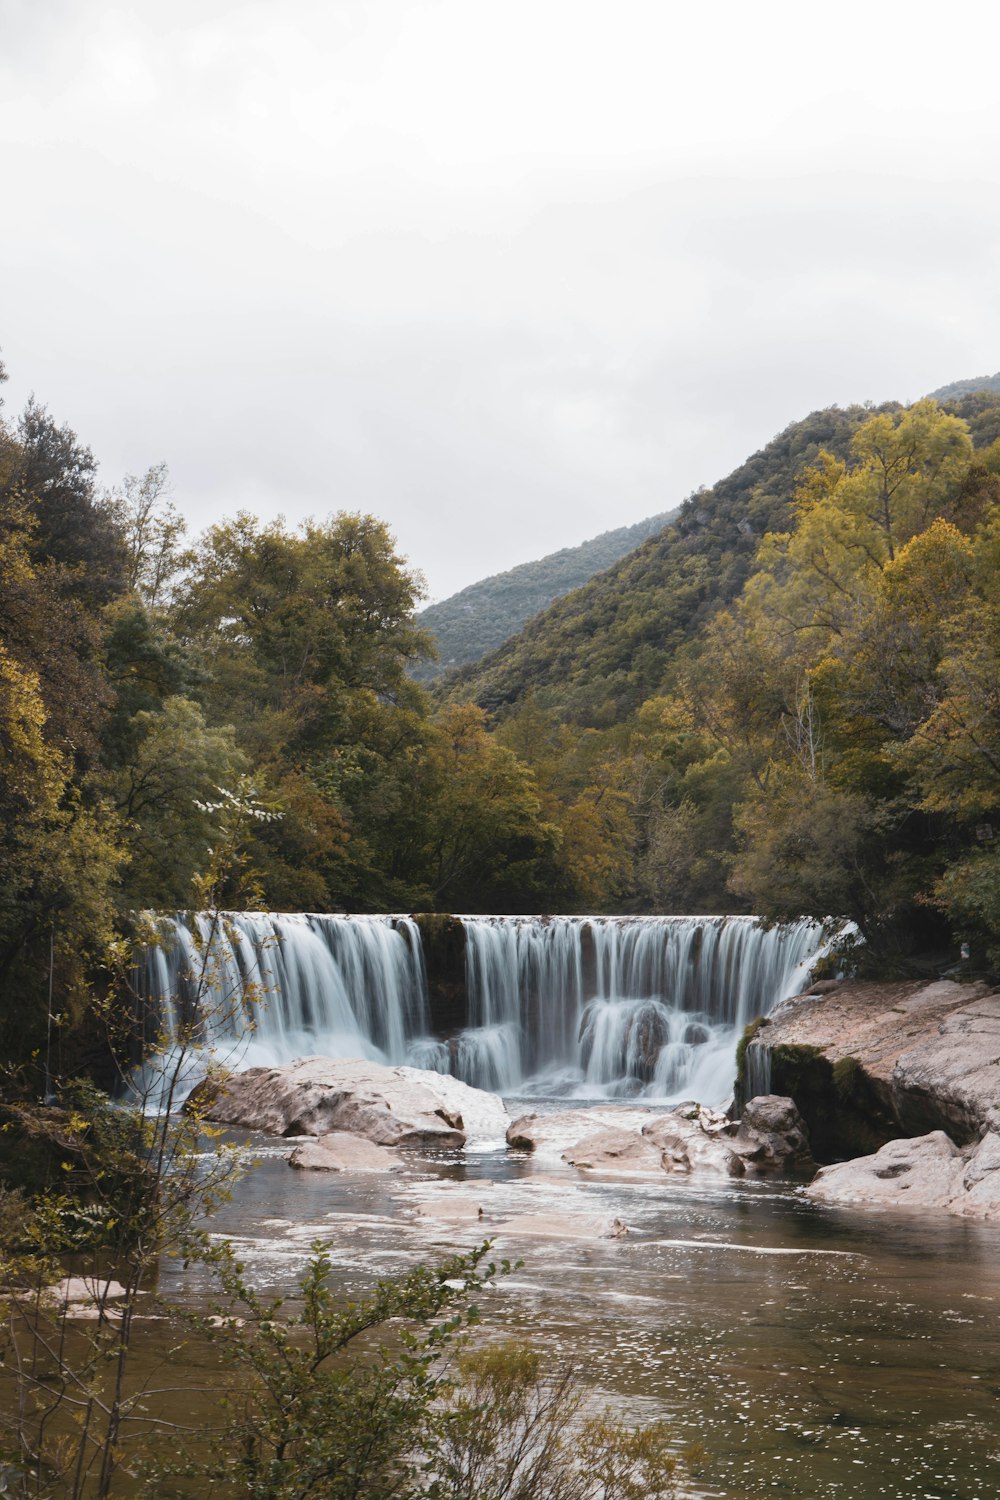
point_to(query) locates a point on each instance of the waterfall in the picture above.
(258, 989)
(620, 1006)
(576, 1006)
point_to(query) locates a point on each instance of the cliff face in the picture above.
(869, 1063)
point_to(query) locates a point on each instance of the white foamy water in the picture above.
(575, 1007)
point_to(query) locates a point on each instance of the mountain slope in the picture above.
(597, 653)
(481, 617)
(600, 650)
(959, 388)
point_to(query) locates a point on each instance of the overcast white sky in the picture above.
(506, 273)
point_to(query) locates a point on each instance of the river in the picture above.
(813, 1352)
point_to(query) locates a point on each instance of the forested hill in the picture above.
(600, 650)
(594, 655)
(481, 617)
(959, 388)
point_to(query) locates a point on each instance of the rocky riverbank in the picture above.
(899, 1087)
(895, 1088)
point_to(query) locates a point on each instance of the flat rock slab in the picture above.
(929, 1053)
(557, 1226)
(341, 1152)
(87, 1290)
(550, 1135)
(623, 1152)
(389, 1106)
(922, 1172)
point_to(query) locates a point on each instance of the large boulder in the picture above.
(694, 1141)
(925, 1172)
(772, 1139)
(867, 1063)
(391, 1106)
(921, 1172)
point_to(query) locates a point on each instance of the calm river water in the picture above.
(814, 1352)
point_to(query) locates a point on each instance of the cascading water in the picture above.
(617, 1006)
(581, 1006)
(258, 989)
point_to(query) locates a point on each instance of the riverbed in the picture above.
(813, 1352)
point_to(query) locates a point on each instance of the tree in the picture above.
(483, 840)
(54, 473)
(152, 531)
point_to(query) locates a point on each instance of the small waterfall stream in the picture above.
(582, 1007)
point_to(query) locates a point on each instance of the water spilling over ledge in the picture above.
(587, 1007)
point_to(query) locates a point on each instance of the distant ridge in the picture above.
(959, 388)
(596, 653)
(481, 617)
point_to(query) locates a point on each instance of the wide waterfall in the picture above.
(584, 1007)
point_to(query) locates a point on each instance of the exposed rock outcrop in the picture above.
(391, 1106)
(552, 1134)
(925, 1172)
(867, 1063)
(615, 1150)
(694, 1141)
(689, 1140)
(772, 1139)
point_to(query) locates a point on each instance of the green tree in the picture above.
(484, 844)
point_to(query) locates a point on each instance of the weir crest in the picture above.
(579, 1007)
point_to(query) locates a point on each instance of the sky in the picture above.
(504, 273)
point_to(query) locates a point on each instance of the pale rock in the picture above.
(340, 1151)
(952, 1071)
(87, 1290)
(615, 1150)
(922, 1172)
(694, 1143)
(558, 1226)
(391, 1106)
(552, 1134)
(927, 1057)
(979, 1197)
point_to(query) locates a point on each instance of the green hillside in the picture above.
(959, 388)
(481, 617)
(594, 655)
(600, 650)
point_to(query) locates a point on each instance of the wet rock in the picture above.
(341, 1152)
(772, 1139)
(555, 1133)
(558, 1226)
(922, 1172)
(645, 1034)
(615, 1150)
(822, 987)
(87, 1290)
(625, 1139)
(694, 1143)
(88, 1298)
(391, 1106)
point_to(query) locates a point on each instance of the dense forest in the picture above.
(788, 701)
(481, 617)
